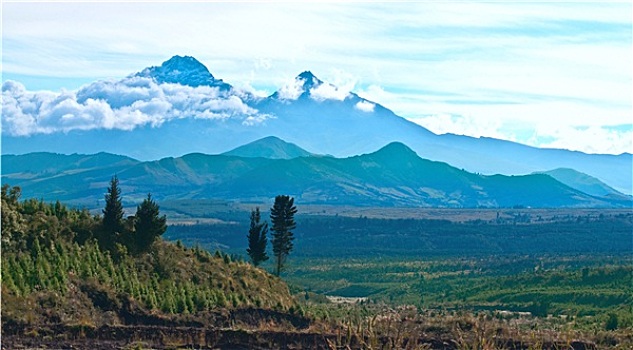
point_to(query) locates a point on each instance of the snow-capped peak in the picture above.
(184, 70)
(307, 85)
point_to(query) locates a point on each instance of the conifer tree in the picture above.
(148, 224)
(112, 225)
(257, 240)
(282, 219)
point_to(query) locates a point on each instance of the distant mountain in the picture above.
(583, 182)
(392, 176)
(184, 70)
(49, 163)
(270, 147)
(77, 177)
(315, 115)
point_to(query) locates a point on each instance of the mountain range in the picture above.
(313, 113)
(391, 176)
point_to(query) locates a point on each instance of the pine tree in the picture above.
(148, 225)
(112, 225)
(257, 240)
(282, 219)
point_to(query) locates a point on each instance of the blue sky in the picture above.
(545, 74)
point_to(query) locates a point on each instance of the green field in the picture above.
(568, 264)
(542, 285)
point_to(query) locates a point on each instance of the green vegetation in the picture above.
(282, 218)
(112, 229)
(54, 270)
(585, 288)
(393, 176)
(148, 225)
(573, 265)
(61, 279)
(504, 232)
(257, 240)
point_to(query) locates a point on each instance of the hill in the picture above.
(55, 274)
(585, 183)
(392, 176)
(269, 147)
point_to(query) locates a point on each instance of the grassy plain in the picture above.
(571, 265)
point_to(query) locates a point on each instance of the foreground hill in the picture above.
(60, 289)
(310, 112)
(392, 176)
(55, 276)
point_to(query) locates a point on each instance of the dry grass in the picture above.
(407, 328)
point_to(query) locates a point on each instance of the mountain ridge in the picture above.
(583, 182)
(392, 176)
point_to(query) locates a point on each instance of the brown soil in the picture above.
(16, 336)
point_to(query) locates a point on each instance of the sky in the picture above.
(546, 74)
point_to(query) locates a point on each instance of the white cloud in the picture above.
(587, 138)
(593, 139)
(365, 106)
(125, 105)
(325, 91)
(247, 88)
(319, 91)
(257, 119)
(292, 89)
(378, 94)
(462, 125)
(344, 80)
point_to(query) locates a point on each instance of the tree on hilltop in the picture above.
(112, 223)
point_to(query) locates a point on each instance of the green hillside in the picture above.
(56, 271)
(393, 176)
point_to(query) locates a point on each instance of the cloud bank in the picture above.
(325, 91)
(317, 90)
(292, 89)
(124, 105)
(583, 138)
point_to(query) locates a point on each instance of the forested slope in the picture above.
(56, 271)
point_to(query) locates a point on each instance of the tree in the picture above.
(257, 238)
(282, 219)
(13, 224)
(112, 224)
(612, 322)
(148, 224)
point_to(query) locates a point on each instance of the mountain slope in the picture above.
(321, 118)
(392, 176)
(53, 176)
(42, 162)
(76, 280)
(396, 176)
(269, 147)
(583, 182)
